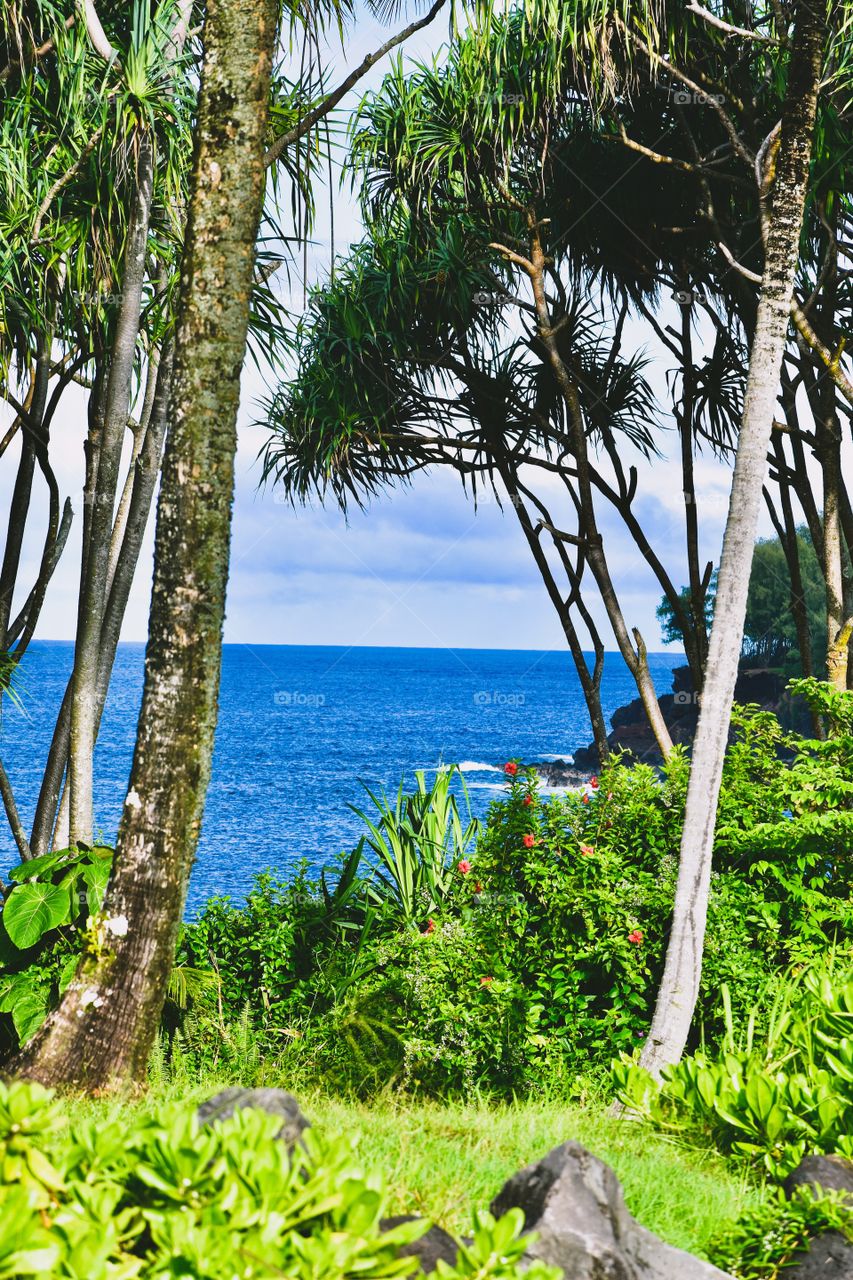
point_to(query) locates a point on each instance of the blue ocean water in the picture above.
(301, 727)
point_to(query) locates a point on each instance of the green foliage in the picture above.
(161, 1197)
(765, 1240)
(418, 840)
(769, 1099)
(51, 912)
(528, 962)
(770, 633)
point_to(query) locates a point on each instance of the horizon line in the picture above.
(417, 648)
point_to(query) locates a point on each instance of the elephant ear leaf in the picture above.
(32, 910)
(96, 876)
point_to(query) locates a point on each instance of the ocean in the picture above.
(302, 728)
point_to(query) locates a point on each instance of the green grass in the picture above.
(442, 1160)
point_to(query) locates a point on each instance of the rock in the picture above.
(575, 1204)
(559, 773)
(433, 1247)
(832, 1173)
(276, 1101)
(830, 1257)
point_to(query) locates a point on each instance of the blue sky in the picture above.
(420, 567)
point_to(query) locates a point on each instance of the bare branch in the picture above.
(832, 361)
(306, 124)
(714, 21)
(63, 181)
(96, 33)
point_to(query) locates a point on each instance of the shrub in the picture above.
(765, 1240)
(771, 1099)
(44, 925)
(165, 1198)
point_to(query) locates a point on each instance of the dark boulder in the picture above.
(275, 1101)
(575, 1205)
(434, 1246)
(830, 1257)
(830, 1173)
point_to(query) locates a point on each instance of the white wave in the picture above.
(477, 766)
(562, 755)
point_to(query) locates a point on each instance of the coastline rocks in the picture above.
(630, 728)
(560, 773)
(276, 1101)
(575, 1204)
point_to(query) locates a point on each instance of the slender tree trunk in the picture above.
(635, 657)
(103, 1031)
(97, 550)
(786, 530)
(590, 681)
(124, 557)
(679, 989)
(22, 491)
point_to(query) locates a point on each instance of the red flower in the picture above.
(478, 888)
(587, 850)
(528, 840)
(527, 800)
(464, 866)
(486, 982)
(636, 937)
(511, 768)
(430, 926)
(593, 782)
(584, 799)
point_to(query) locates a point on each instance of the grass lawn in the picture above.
(442, 1160)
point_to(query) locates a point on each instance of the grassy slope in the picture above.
(443, 1160)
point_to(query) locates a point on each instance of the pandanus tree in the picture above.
(741, 149)
(105, 1025)
(456, 334)
(250, 121)
(96, 111)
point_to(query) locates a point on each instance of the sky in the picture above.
(420, 567)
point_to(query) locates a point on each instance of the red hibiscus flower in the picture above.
(587, 850)
(464, 866)
(636, 937)
(528, 840)
(430, 926)
(527, 800)
(478, 888)
(511, 768)
(584, 799)
(593, 782)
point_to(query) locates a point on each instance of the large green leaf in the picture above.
(32, 910)
(40, 866)
(28, 1015)
(96, 875)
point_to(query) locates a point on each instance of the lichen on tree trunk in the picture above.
(102, 1033)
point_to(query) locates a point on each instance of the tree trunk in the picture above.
(124, 556)
(103, 1031)
(635, 658)
(590, 681)
(679, 989)
(96, 551)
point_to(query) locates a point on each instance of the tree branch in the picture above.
(329, 103)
